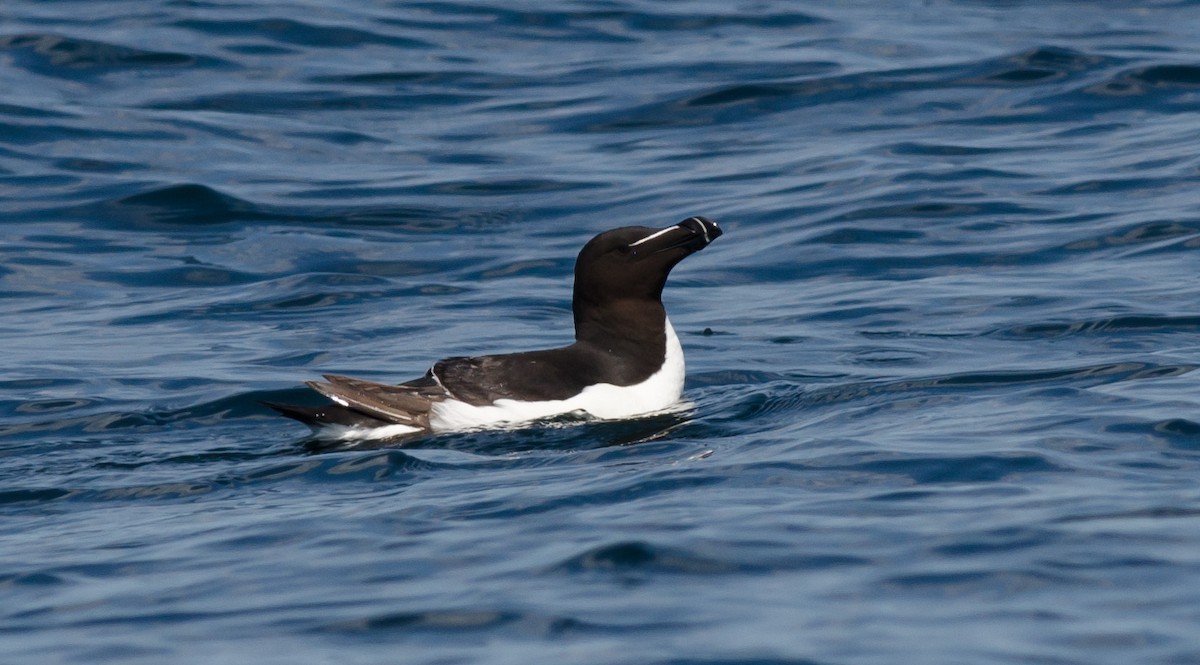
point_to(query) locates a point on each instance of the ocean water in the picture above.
(943, 398)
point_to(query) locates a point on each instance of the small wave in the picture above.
(193, 205)
(1138, 515)
(936, 209)
(1116, 324)
(185, 276)
(173, 206)
(733, 377)
(641, 556)
(1176, 433)
(788, 396)
(91, 423)
(725, 103)
(1143, 80)
(658, 22)
(299, 33)
(1035, 66)
(282, 102)
(599, 24)
(430, 79)
(848, 235)
(289, 297)
(33, 495)
(1129, 184)
(927, 149)
(1160, 234)
(977, 583)
(1092, 86)
(217, 469)
(1008, 539)
(728, 103)
(20, 111)
(441, 621)
(67, 56)
(85, 416)
(43, 131)
(935, 469)
(508, 186)
(454, 622)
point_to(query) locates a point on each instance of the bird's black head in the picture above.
(633, 262)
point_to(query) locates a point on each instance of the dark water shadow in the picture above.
(562, 434)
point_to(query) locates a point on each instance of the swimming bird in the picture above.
(626, 360)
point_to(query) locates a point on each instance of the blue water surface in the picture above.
(944, 405)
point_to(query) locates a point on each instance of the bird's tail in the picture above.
(318, 417)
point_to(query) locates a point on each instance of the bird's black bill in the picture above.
(692, 235)
(702, 226)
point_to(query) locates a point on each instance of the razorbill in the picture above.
(626, 360)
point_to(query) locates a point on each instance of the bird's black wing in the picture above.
(405, 404)
(530, 376)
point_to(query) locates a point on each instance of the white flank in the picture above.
(349, 433)
(603, 400)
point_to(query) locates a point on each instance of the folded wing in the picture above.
(404, 404)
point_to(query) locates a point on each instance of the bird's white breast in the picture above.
(603, 400)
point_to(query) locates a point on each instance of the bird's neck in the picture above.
(619, 325)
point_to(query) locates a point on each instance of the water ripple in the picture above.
(57, 55)
(941, 365)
